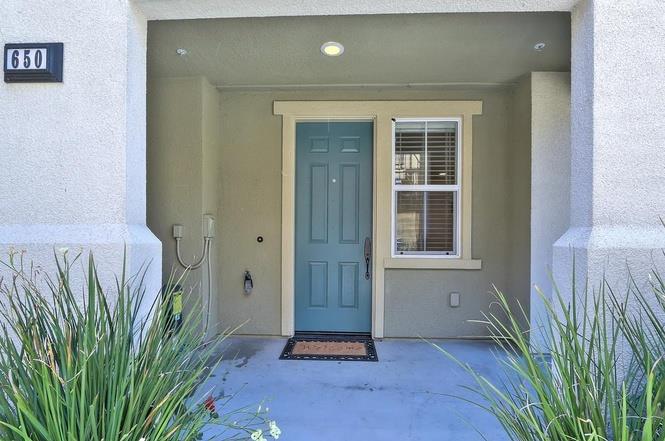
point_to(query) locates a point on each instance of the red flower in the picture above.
(209, 404)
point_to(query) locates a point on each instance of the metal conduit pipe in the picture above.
(205, 255)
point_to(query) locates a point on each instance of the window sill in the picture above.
(432, 263)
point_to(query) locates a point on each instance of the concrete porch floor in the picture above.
(405, 396)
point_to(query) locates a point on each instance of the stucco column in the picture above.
(618, 143)
(73, 153)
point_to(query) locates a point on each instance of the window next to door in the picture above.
(426, 201)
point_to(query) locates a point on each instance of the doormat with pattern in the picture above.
(330, 347)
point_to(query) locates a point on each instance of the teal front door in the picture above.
(333, 226)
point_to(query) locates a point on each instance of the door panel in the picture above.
(318, 284)
(333, 218)
(349, 210)
(348, 284)
(319, 203)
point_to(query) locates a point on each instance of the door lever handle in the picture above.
(368, 256)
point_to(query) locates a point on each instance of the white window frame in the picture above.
(424, 188)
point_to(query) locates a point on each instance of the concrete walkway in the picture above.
(403, 397)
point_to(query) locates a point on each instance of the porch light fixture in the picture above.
(332, 49)
(538, 47)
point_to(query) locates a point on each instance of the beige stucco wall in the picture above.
(520, 193)
(183, 173)
(211, 159)
(416, 300)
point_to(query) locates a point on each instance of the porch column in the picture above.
(618, 144)
(73, 153)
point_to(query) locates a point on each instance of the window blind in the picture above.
(426, 187)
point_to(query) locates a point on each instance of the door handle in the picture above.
(368, 256)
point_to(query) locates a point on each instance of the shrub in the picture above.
(95, 369)
(573, 390)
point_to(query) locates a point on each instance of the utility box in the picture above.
(454, 299)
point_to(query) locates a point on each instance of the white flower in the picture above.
(257, 435)
(275, 431)
(64, 250)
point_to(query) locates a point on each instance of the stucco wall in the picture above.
(617, 155)
(74, 152)
(211, 149)
(520, 172)
(617, 134)
(416, 300)
(550, 181)
(180, 9)
(92, 162)
(183, 164)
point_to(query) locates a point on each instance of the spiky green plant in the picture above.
(572, 390)
(100, 366)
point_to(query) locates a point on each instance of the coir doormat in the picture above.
(330, 347)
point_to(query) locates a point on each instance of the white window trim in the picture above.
(449, 188)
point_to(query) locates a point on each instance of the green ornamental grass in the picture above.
(88, 366)
(578, 389)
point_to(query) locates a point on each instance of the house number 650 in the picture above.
(32, 58)
(33, 62)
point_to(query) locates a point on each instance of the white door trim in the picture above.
(288, 214)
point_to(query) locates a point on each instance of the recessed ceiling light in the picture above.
(538, 47)
(181, 51)
(332, 49)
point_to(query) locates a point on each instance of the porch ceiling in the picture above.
(423, 49)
